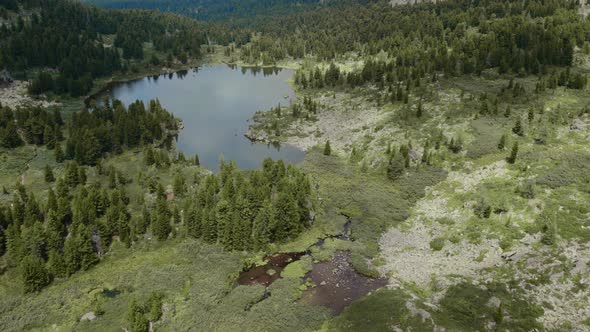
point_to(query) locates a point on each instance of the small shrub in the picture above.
(437, 244)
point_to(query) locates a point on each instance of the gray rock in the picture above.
(89, 316)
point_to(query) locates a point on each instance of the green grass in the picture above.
(196, 280)
(466, 307)
(380, 311)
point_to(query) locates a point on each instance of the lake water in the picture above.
(215, 103)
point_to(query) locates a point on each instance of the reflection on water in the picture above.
(215, 104)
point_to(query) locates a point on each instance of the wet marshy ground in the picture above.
(271, 271)
(337, 283)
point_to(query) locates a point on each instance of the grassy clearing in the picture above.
(195, 279)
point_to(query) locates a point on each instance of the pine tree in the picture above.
(197, 162)
(136, 317)
(419, 110)
(456, 144)
(55, 231)
(49, 137)
(179, 184)
(72, 175)
(112, 177)
(34, 275)
(225, 219)
(56, 264)
(71, 255)
(396, 166)
(149, 156)
(49, 174)
(287, 217)
(9, 137)
(193, 222)
(518, 129)
(87, 254)
(549, 229)
(59, 154)
(513, 154)
(161, 227)
(263, 225)
(502, 143)
(327, 149)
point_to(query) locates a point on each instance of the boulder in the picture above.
(89, 316)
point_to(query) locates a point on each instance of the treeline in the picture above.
(215, 10)
(249, 212)
(457, 36)
(399, 80)
(31, 126)
(110, 128)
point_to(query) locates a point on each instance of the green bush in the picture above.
(437, 244)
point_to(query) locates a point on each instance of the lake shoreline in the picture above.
(215, 122)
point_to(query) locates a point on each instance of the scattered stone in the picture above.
(577, 124)
(89, 316)
(509, 255)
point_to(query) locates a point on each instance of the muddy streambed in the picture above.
(336, 282)
(271, 271)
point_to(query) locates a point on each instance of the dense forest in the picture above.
(458, 37)
(68, 43)
(75, 226)
(215, 10)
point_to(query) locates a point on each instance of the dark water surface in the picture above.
(215, 103)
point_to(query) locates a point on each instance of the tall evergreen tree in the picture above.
(327, 149)
(34, 275)
(49, 174)
(513, 154)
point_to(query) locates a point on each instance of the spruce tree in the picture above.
(193, 222)
(56, 264)
(396, 166)
(49, 174)
(71, 255)
(59, 154)
(51, 201)
(502, 143)
(287, 217)
(34, 274)
(513, 154)
(263, 225)
(224, 217)
(136, 317)
(55, 231)
(87, 254)
(161, 227)
(327, 148)
(518, 129)
(149, 156)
